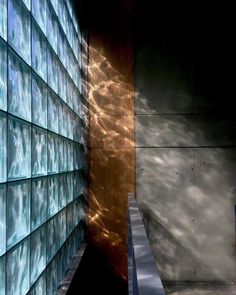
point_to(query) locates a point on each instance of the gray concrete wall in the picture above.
(186, 165)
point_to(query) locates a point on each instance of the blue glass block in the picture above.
(19, 149)
(39, 52)
(52, 278)
(62, 11)
(19, 28)
(70, 192)
(18, 270)
(39, 102)
(39, 287)
(52, 70)
(3, 76)
(39, 13)
(54, 4)
(74, 214)
(27, 3)
(62, 201)
(52, 195)
(63, 111)
(2, 275)
(63, 263)
(75, 185)
(70, 155)
(70, 125)
(60, 154)
(62, 226)
(62, 82)
(52, 241)
(61, 44)
(3, 147)
(69, 219)
(77, 129)
(70, 92)
(52, 153)
(2, 220)
(3, 18)
(69, 6)
(75, 100)
(38, 253)
(19, 83)
(52, 27)
(38, 202)
(18, 211)
(77, 156)
(39, 152)
(65, 152)
(53, 105)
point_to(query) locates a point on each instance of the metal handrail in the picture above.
(143, 274)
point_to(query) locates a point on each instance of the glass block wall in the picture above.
(42, 144)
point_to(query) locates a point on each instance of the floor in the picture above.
(200, 289)
(94, 276)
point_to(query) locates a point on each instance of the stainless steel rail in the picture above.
(143, 274)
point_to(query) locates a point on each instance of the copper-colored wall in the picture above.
(112, 155)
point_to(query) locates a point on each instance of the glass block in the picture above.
(3, 147)
(69, 187)
(63, 113)
(2, 220)
(54, 4)
(39, 152)
(38, 202)
(18, 211)
(52, 27)
(52, 278)
(62, 82)
(39, 13)
(2, 275)
(52, 153)
(19, 84)
(52, 195)
(52, 112)
(3, 18)
(51, 239)
(62, 201)
(61, 155)
(77, 156)
(65, 152)
(77, 129)
(70, 117)
(76, 185)
(39, 102)
(18, 270)
(61, 220)
(60, 43)
(75, 100)
(70, 155)
(38, 253)
(39, 287)
(39, 52)
(63, 14)
(52, 70)
(19, 149)
(27, 3)
(69, 219)
(19, 29)
(3, 76)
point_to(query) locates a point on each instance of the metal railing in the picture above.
(143, 274)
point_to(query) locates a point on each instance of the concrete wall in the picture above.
(185, 150)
